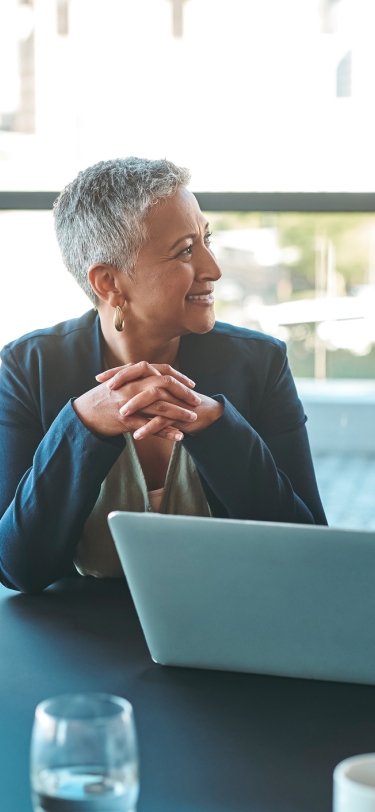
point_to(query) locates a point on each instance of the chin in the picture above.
(201, 326)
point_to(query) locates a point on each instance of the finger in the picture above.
(131, 373)
(136, 422)
(170, 434)
(178, 392)
(117, 377)
(171, 410)
(109, 373)
(166, 369)
(153, 426)
(158, 401)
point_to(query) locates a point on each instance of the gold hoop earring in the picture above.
(118, 319)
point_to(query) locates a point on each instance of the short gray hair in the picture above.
(100, 216)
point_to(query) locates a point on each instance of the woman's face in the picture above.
(173, 282)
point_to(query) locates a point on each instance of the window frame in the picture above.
(227, 201)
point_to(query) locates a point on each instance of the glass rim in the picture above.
(123, 705)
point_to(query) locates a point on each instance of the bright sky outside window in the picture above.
(251, 96)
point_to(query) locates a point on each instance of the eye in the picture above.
(187, 251)
(207, 237)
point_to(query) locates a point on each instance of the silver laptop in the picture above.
(286, 599)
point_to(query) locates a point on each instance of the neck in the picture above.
(128, 347)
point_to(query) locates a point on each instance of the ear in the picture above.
(108, 283)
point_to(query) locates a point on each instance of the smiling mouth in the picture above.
(206, 298)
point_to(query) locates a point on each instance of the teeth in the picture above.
(208, 297)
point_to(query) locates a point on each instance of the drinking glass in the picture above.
(84, 755)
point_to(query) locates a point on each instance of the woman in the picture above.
(212, 422)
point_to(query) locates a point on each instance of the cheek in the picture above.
(173, 287)
(163, 290)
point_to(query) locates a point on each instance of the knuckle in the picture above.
(155, 392)
(160, 393)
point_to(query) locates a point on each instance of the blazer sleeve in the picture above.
(49, 483)
(263, 474)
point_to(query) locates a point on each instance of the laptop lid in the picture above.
(291, 600)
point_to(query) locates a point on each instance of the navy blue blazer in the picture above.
(254, 461)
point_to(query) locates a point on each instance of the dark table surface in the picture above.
(208, 740)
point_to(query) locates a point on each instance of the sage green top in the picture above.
(125, 489)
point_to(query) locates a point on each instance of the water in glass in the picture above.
(84, 755)
(77, 790)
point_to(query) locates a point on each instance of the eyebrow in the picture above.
(187, 237)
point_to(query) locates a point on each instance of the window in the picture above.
(306, 278)
(37, 289)
(254, 97)
(271, 95)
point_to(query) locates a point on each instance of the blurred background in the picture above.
(272, 97)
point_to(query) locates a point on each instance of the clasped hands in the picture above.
(146, 399)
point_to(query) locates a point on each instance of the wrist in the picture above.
(209, 416)
(83, 417)
(217, 411)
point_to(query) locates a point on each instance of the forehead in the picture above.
(174, 216)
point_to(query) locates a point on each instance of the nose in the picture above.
(207, 267)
